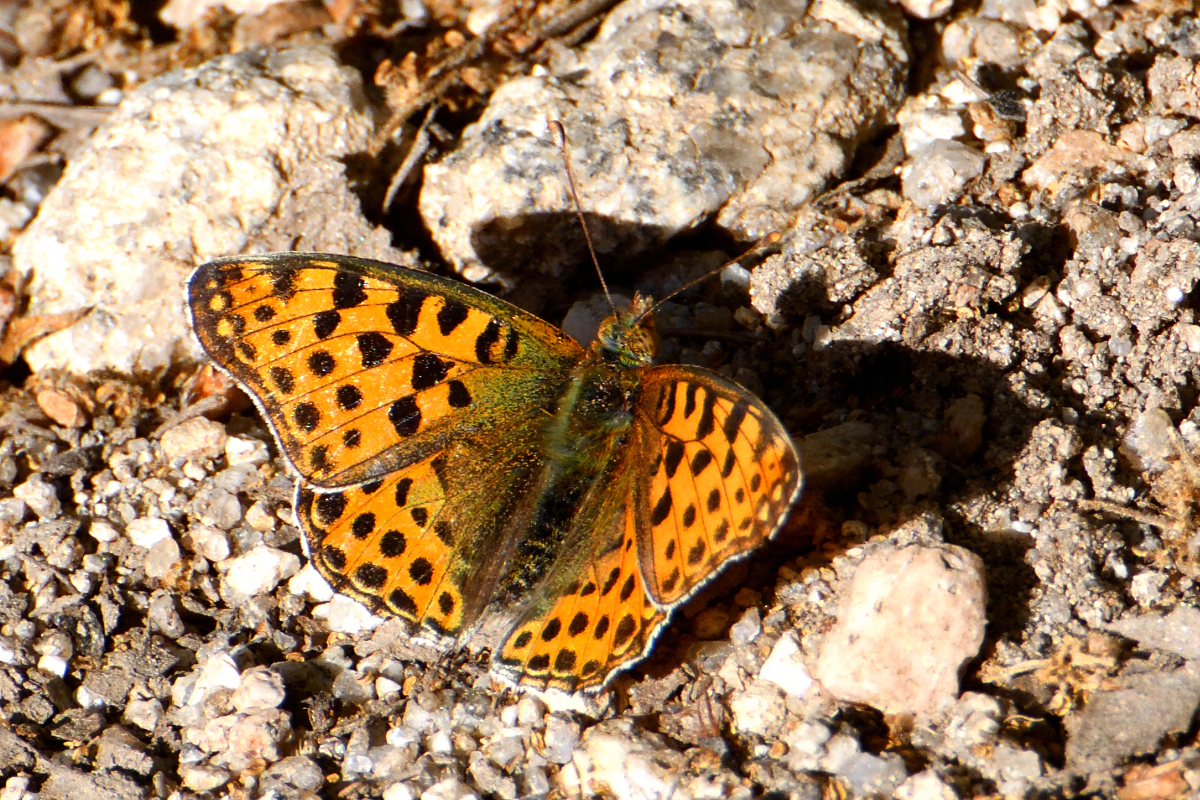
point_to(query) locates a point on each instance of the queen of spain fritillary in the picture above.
(456, 453)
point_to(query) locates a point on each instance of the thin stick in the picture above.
(416, 152)
(561, 141)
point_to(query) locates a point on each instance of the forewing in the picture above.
(591, 617)
(722, 474)
(361, 367)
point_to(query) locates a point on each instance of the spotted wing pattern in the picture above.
(362, 367)
(411, 407)
(390, 543)
(720, 475)
(595, 617)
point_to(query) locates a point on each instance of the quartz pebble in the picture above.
(40, 496)
(246, 451)
(625, 764)
(785, 667)
(259, 688)
(346, 615)
(196, 438)
(147, 531)
(256, 572)
(161, 558)
(311, 584)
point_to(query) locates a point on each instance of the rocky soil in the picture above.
(979, 325)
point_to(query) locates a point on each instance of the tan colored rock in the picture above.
(909, 620)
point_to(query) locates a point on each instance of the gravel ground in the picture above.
(979, 326)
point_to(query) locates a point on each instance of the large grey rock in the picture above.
(680, 111)
(242, 154)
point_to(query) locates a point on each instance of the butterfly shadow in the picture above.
(889, 433)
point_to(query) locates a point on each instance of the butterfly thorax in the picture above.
(583, 443)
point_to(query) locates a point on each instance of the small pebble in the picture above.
(785, 667)
(193, 439)
(40, 496)
(143, 713)
(210, 542)
(161, 559)
(759, 709)
(103, 532)
(53, 665)
(310, 583)
(202, 778)
(246, 451)
(260, 688)
(399, 791)
(346, 615)
(531, 712)
(746, 629)
(61, 408)
(163, 614)
(561, 738)
(147, 531)
(216, 673)
(256, 572)
(925, 786)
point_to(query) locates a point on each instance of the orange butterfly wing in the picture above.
(720, 475)
(591, 617)
(362, 367)
(412, 407)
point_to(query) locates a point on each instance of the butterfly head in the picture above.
(628, 338)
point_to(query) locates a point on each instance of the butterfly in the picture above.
(457, 454)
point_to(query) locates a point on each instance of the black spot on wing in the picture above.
(451, 315)
(674, 456)
(428, 371)
(373, 348)
(405, 311)
(283, 379)
(348, 290)
(325, 323)
(405, 415)
(486, 341)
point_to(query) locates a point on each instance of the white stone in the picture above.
(257, 572)
(184, 14)
(311, 584)
(202, 778)
(102, 531)
(194, 439)
(786, 668)
(53, 665)
(398, 791)
(759, 709)
(260, 518)
(210, 542)
(147, 531)
(925, 786)
(40, 496)
(218, 672)
(346, 615)
(246, 451)
(616, 762)
(907, 622)
(259, 688)
(449, 789)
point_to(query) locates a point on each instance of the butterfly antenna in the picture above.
(561, 141)
(763, 243)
